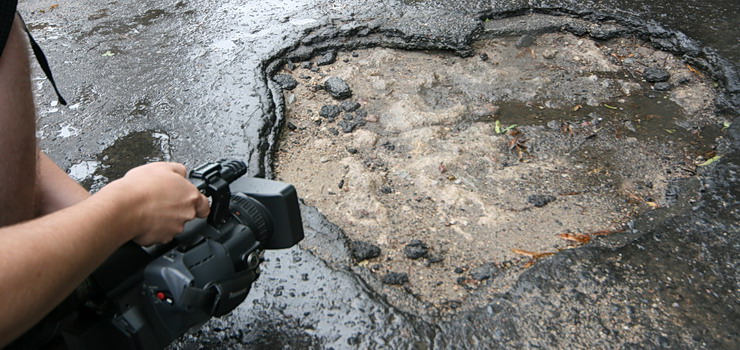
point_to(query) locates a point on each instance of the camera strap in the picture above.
(198, 298)
(221, 297)
(43, 62)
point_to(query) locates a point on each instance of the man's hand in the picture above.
(161, 200)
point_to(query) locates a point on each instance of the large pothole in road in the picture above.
(466, 171)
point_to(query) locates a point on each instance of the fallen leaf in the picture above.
(653, 205)
(108, 54)
(610, 107)
(575, 237)
(533, 255)
(529, 264)
(577, 107)
(710, 161)
(604, 232)
(670, 131)
(635, 197)
(694, 70)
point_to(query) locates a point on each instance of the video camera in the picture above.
(144, 298)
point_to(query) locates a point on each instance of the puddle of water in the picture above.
(128, 152)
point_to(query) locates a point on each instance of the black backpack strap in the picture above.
(7, 15)
(42, 62)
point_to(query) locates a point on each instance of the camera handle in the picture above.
(207, 178)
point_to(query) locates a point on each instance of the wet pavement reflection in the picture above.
(188, 82)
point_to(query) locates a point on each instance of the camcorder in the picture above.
(146, 297)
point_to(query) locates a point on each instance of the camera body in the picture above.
(144, 298)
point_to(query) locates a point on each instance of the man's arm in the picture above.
(55, 190)
(43, 260)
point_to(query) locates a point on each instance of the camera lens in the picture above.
(254, 215)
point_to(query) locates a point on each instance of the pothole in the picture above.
(466, 171)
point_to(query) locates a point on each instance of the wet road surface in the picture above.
(192, 78)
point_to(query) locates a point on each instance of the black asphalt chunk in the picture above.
(540, 200)
(662, 86)
(337, 88)
(363, 250)
(656, 74)
(327, 58)
(483, 272)
(525, 41)
(416, 249)
(330, 111)
(350, 106)
(285, 81)
(396, 278)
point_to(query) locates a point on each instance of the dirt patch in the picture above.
(466, 171)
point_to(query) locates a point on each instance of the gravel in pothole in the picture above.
(465, 171)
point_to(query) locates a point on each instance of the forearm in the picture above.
(43, 260)
(55, 190)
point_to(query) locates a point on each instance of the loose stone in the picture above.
(549, 53)
(350, 106)
(327, 58)
(554, 124)
(337, 88)
(656, 74)
(285, 81)
(540, 200)
(524, 41)
(396, 278)
(416, 249)
(483, 272)
(433, 260)
(347, 126)
(662, 86)
(483, 57)
(330, 111)
(362, 250)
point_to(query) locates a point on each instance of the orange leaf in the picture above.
(604, 232)
(533, 255)
(575, 237)
(694, 70)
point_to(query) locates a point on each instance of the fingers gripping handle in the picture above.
(213, 179)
